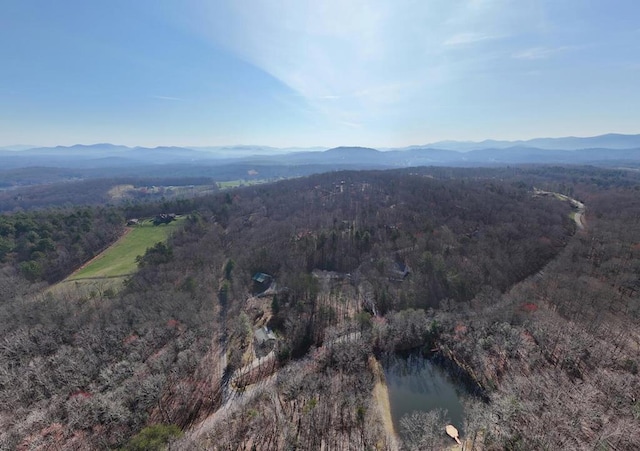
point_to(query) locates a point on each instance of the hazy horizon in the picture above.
(19, 147)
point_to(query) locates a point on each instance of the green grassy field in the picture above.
(120, 258)
(237, 183)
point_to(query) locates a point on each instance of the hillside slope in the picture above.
(361, 264)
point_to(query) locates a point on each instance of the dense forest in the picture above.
(49, 245)
(94, 192)
(469, 265)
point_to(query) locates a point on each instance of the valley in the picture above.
(266, 316)
(320, 226)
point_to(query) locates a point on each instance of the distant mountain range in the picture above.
(236, 161)
(608, 141)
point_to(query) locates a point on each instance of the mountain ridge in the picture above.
(592, 150)
(608, 141)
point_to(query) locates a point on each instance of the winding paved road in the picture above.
(578, 217)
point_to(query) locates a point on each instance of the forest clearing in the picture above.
(111, 267)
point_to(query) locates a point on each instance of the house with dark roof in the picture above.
(398, 270)
(261, 277)
(261, 282)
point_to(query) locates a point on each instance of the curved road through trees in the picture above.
(579, 215)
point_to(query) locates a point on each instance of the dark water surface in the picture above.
(416, 383)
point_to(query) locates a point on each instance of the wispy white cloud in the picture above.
(467, 38)
(367, 61)
(301, 71)
(537, 53)
(169, 98)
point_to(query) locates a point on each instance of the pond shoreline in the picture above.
(459, 372)
(381, 397)
(418, 381)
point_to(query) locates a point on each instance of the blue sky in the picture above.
(336, 72)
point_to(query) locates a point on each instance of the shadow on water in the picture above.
(416, 383)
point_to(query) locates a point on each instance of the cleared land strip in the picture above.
(118, 261)
(120, 258)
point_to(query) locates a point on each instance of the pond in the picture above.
(416, 383)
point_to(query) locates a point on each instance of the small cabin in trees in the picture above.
(398, 271)
(261, 282)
